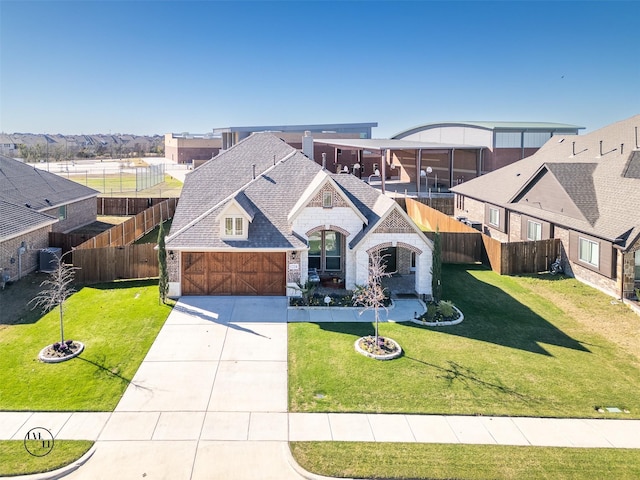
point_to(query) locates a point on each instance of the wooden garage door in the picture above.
(219, 273)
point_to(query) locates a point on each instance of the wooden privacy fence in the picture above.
(462, 244)
(113, 263)
(134, 228)
(440, 203)
(127, 206)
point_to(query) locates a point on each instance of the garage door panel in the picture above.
(237, 273)
(220, 283)
(194, 273)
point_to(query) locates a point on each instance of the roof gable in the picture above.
(238, 205)
(566, 189)
(314, 194)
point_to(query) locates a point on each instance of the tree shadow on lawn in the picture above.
(102, 369)
(492, 315)
(454, 372)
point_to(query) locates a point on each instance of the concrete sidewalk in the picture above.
(210, 401)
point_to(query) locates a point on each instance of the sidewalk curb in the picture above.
(60, 472)
(304, 473)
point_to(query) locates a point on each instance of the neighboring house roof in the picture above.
(22, 184)
(18, 220)
(503, 126)
(26, 192)
(283, 176)
(598, 171)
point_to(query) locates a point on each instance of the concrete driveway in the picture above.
(209, 401)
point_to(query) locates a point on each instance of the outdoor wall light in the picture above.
(171, 255)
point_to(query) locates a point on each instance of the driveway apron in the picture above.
(208, 401)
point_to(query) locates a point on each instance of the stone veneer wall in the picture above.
(403, 264)
(515, 227)
(474, 210)
(629, 272)
(34, 242)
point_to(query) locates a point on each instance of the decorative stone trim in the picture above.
(394, 223)
(333, 228)
(440, 324)
(389, 356)
(337, 201)
(44, 359)
(411, 248)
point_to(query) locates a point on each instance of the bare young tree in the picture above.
(58, 287)
(372, 295)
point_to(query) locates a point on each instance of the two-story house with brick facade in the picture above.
(584, 190)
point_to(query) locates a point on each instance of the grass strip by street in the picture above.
(16, 460)
(520, 351)
(469, 462)
(117, 322)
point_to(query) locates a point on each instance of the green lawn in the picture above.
(117, 322)
(15, 460)
(118, 185)
(471, 462)
(529, 346)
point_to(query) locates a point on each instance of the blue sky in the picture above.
(151, 67)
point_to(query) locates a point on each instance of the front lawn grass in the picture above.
(117, 322)
(15, 460)
(471, 462)
(520, 351)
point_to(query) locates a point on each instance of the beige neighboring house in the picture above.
(34, 202)
(584, 190)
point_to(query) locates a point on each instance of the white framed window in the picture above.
(494, 217)
(62, 212)
(534, 230)
(589, 252)
(327, 199)
(325, 251)
(234, 227)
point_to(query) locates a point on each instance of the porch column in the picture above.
(383, 170)
(451, 160)
(418, 169)
(360, 163)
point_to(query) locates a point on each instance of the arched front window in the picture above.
(325, 251)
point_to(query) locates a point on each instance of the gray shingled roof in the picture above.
(18, 219)
(632, 169)
(271, 196)
(25, 192)
(595, 175)
(225, 174)
(22, 184)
